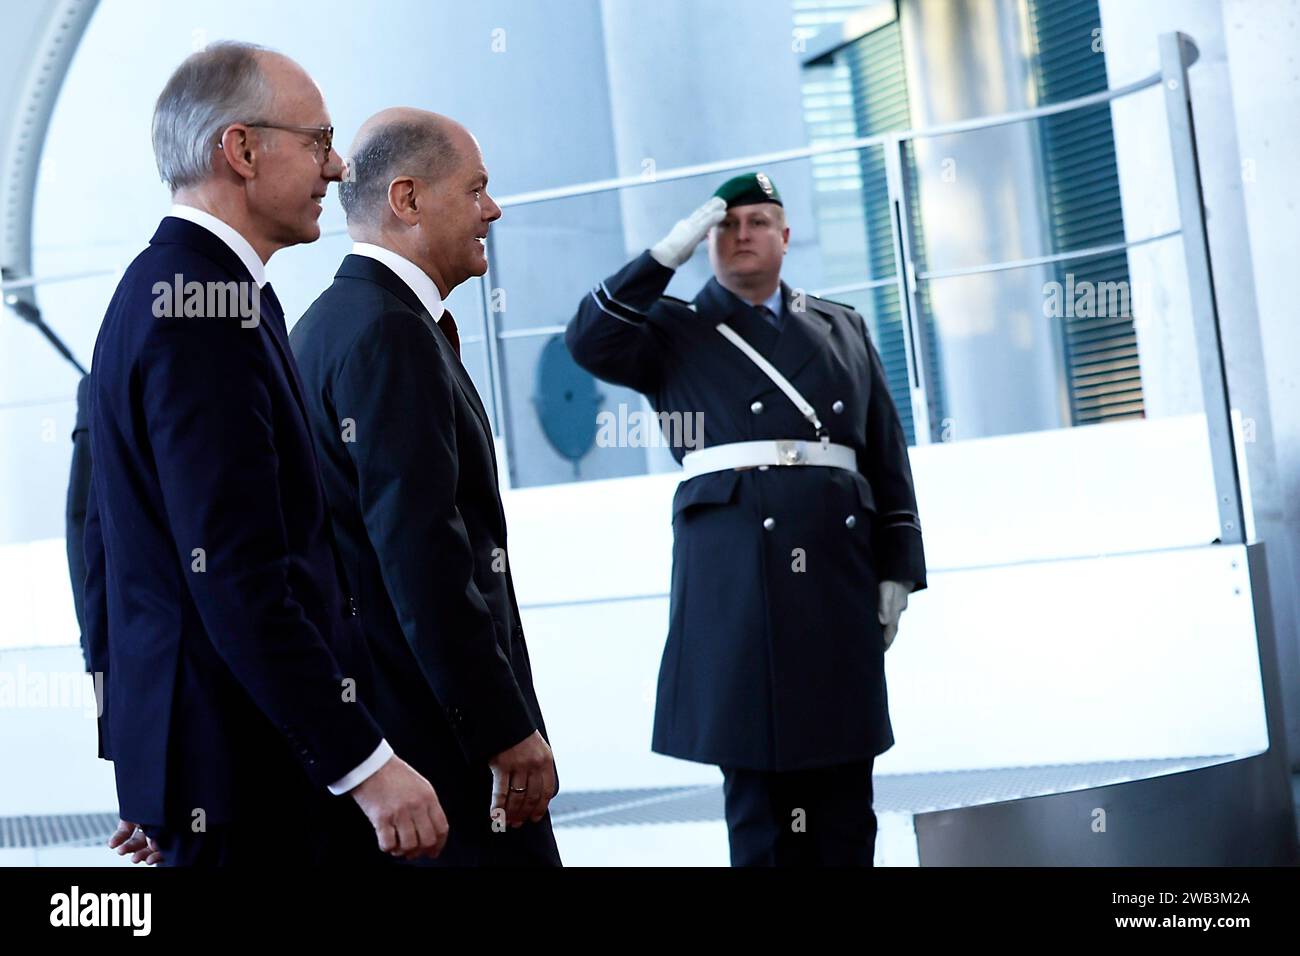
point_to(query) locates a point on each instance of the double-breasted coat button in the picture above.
(850, 521)
(769, 523)
(756, 408)
(838, 407)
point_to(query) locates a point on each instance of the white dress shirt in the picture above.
(416, 279)
(227, 234)
(257, 269)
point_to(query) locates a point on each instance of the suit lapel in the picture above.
(273, 316)
(803, 335)
(721, 305)
(371, 270)
(470, 394)
(463, 381)
(269, 312)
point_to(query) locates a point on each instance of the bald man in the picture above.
(409, 469)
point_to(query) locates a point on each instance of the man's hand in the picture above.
(893, 602)
(676, 247)
(129, 838)
(523, 780)
(404, 810)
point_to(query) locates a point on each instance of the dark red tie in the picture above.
(448, 326)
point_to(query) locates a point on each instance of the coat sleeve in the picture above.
(398, 392)
(897, 537)
(212, 426)
(95, 621)
(613, 336)
(75, 511)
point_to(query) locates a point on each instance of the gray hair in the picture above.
(213, 88)
(400, 148)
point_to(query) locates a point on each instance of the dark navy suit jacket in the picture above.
(409, 470)
(232, 655)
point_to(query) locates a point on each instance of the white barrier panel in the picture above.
(1103, 489)
(1027, 648)
(36, 607)
(1140, 656)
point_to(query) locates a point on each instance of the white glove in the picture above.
(676, 247)
(893, 602)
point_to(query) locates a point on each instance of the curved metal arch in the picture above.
(36, 48)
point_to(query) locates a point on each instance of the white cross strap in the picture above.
(768, 369)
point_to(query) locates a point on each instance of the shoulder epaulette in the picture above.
(842, 305)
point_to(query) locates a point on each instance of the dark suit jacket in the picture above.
(75, 511)
(409, 470)
(212, 590)
(775, 657)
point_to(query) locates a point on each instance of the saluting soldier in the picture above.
(796, 538)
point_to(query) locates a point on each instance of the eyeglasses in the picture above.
(323, 135)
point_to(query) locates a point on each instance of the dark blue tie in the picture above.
(277, 310)
(769, 316)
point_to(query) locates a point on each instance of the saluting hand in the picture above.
(676, 247)
(893, 602)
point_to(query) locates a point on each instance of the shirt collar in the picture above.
(773, 301)
(227, 234)
(415, 278)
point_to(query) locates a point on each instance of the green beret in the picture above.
(748, 189)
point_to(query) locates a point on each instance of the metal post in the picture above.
(490, 345)
(908, 297)
(1177, 53)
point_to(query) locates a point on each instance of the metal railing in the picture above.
(1177, 54)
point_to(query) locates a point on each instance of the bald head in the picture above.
(395, 142)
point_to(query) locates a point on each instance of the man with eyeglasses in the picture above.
(795, 532)
(238, 688)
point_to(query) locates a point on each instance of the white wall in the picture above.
(1245, 107)
(1262, 38)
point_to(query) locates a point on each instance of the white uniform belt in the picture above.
(751, 454)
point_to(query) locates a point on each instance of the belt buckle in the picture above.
(790, 452)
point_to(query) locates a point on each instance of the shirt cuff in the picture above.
(364, 770)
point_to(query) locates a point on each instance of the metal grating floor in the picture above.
(64, 829)
(595, 808)
(895, 793)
